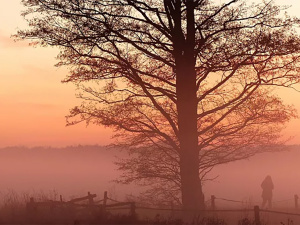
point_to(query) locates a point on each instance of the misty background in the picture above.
(73, 171)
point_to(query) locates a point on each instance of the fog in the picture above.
(72, 172)
(69, 172)
(241, 180)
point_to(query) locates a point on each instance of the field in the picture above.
(51, 209)
(90, 168)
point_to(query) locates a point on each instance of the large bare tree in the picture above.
(190, 79)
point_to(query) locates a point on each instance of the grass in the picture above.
(14, 210)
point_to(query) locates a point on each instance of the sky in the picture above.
(34, 102)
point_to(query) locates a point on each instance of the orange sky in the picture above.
(33, 101)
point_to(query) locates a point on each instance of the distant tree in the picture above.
(186, 84)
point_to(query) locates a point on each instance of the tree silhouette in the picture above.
(186, 84)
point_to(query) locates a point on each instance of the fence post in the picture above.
(31, 205)
(31, 208)
(91, 200)
(132, 209)
(256, 215)
(213, 203)
(28, 205)
(105, 199)
(296, 201)
(61, 199)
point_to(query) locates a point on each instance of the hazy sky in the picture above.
(33, 101)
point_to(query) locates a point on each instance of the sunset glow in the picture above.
(34, 102)
(196, 92)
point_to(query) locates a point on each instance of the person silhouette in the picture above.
(267, 193)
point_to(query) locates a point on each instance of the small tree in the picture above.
(189, 80)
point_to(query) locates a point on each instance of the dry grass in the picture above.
(14, 210)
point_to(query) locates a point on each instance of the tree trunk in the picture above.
(191, 188)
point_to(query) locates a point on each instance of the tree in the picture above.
(190, 79)
(156, 164)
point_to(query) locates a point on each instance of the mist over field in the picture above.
(73, 171)
(70, 171)
(241, 180)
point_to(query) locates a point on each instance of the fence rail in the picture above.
(213, 199)
(109, 204)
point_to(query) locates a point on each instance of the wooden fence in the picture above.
(106, 205)
(213, 199)
(87, 207)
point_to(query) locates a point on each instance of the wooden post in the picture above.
(105, 199)
(213, 203)
(60, 197)
(91, 200)
(296, 201)
(132, 209)
(256, 215)
(31, 205)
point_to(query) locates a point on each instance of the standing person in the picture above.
(267, 193)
